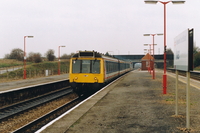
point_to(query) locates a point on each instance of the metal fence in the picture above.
(16, 73)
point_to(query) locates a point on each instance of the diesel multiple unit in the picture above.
(89, 70)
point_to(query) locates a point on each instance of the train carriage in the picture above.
(90, 70)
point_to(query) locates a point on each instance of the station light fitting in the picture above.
(146, 34)
(160, 34)
(178, 2)
(151, 1)
(148, 44)
(30, 36)
(156, 1)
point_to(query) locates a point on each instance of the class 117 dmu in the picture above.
(90, 70)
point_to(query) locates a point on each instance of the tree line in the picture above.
(18, 54)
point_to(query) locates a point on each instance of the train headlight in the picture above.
(95, 79)
(75, 78)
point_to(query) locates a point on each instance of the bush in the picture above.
(35, 57)
(197, 59)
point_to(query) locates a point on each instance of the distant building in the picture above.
(147, 62)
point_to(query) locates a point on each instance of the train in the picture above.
(90, 70)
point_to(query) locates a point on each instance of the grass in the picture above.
(33, 69)
(169, 99)
(197, 68)
(9, 63)
(43, 65)
(47, 65)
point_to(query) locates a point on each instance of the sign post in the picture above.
(176, 111)
(183, 60)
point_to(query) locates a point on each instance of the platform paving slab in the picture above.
(134, 104)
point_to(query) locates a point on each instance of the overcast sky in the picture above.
(116, 26)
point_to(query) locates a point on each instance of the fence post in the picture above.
(16, 75)
(7, 74)
(30, 73)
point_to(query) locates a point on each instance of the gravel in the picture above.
(22, 119)
(136, 105)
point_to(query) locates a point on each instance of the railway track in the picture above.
(41, 121)
(17, 95)
(23, 106)
(193, 74)
(37, 109)
(11, 112)
(24, 112)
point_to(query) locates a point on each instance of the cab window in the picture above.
(86, 66)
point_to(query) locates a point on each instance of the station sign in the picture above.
(183, 51)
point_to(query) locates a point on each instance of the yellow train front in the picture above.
(90, 70)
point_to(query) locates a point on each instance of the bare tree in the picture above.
(66, 56)
(6, 56)
(50, 55)
(196, 55)
(35, 57)
(169, 51)
(16, 53)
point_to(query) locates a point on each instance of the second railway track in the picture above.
(35, 111)
(20, 107)
(36, 116)
(41, 121)
(193, 74)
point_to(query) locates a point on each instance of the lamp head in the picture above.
(178, 2)
(146, 34)
(30, 36)
(160, 34)
(151, 1)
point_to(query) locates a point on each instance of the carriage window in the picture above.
(86, 66)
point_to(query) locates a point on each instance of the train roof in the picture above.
(88, 54)
(93, 54)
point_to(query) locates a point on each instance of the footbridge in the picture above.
(159, 59)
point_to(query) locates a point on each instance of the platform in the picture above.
(133, 104)
(28, 82)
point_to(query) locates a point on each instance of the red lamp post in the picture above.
(59, 59)
(165, 46)
(25, 54)
(153, 75)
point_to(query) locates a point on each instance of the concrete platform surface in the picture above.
(28, 82)
(133, 104)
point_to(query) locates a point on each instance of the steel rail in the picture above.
(13, 96)
(15, 109)
(193, 74)
(38, 123)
